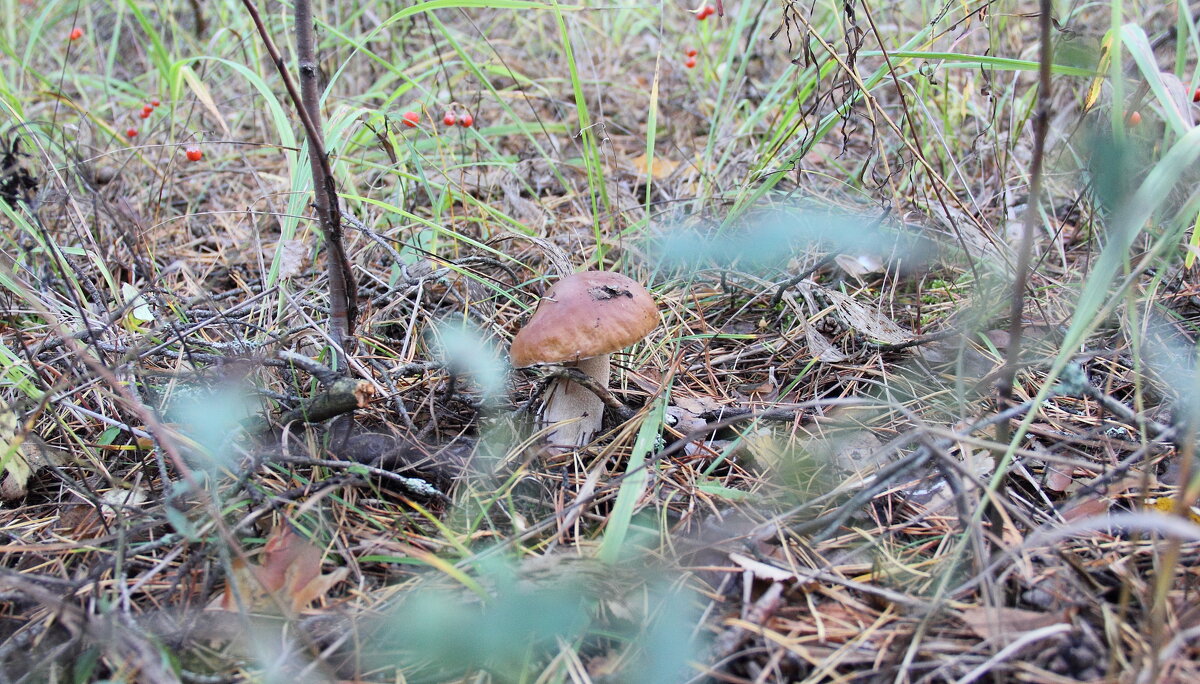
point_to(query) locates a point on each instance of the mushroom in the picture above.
(581, 320)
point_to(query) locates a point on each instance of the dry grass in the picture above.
(810, 487)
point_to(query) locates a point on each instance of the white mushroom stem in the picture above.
(568, 401)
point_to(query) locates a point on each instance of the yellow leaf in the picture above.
(12, 460)
(1166, 504)
(1101, 68)
(139, 308)
(204, 96)
(658, 167)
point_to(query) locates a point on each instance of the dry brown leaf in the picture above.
(696, 404)
(1005, 625)
(685, 420)
(859, 449)
(863, 319)
(1057, 480)
(819, 346)
(1085, 508)
(293, 257)
(21, 456)
(658, 167)
(290, 569)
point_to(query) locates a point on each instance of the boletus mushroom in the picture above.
(580, 321)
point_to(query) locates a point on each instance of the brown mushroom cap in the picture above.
(584, 315)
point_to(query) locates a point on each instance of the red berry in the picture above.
(155, 102)
(411, 119)
(690, 63)
(1196, 95)
(1134, 119)
(146, 111)
(691, 52)
(193, 153)
(448, 119)
(466, 120)
(76, 33)
(131, 133)
(704, 12)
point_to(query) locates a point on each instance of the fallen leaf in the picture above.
(658, 167)
(115, 498)
(765, 449)
(863, 319)
(293, 257)
(21, 455)
(1057, 480)
(696, 404)
(684, 420)
(290, 570)
(1005, 625)
(859, 265)
(859, 449)
(139, 310)
(819, 346)
(12, 458)
(1085, 508)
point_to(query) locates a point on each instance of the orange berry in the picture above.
(146, 111)
(448, 119)
(411, 119)
(691, 52)
(155, 102)
(76, 33)
(690, 63)
(131, 133)
(1134, 119)
(193, 153)
(466, 120)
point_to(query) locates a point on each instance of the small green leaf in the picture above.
(85, 665)
(714, 488)
(106, 438)
(139, 308)
(181, 523)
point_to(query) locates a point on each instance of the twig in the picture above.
(342, 396)
(1041, 120)
(915, 342)
(324, 374)
(802, 276)
(412, 485)
(586, 381)
(342, 289)
(888, 474)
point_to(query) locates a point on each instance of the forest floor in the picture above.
(920, 406)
